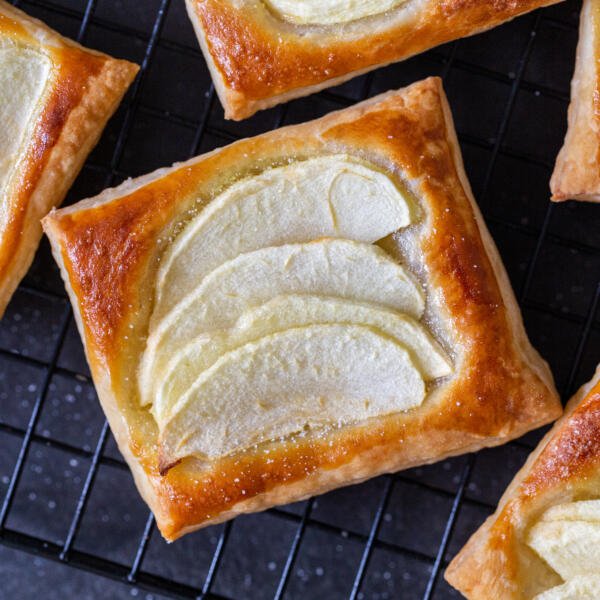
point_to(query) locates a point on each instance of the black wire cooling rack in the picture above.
(66, 494)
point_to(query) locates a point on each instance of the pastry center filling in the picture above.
(275, 313)
(567, 538)
(23, 77)
(329, 12)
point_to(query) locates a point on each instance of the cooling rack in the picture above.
(66, 495)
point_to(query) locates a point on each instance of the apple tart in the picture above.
(55, 98)
(543, 542)
(577, 170)
(299, 311)
(265, 52)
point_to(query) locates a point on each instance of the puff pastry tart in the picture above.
(543, 542)
(577, 170)
(55, 98)
(299, 311)
(265, 52)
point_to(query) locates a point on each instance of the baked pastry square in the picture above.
(265, 52)
(577, 171)
(55, 98)
(542, 542)
(299, 311)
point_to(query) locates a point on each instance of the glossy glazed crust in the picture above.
(84, 89)
(259, 60)
(565, 467)
(577, 171)
(500, 389)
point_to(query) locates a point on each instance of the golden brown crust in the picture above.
(496, 563)
(84, 89)
(577, 171)
(258, 60)
(501, 387)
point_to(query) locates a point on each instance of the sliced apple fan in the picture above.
(275, 313)
(567, 537)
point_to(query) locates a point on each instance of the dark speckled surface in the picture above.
(511, 120)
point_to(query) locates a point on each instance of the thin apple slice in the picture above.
(585, 587)
(567, 537)
(24, 74)
(288, 382)
(328, 267)
(286, 312)
(329, 196)
(329, 12)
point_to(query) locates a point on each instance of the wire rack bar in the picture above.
(100, 566)
(293, 552)
(85, 21)
(35, 413)
(136, 89)
(373, 532)
(142, 547)
(85, 491)
(216, 561)
(508, 109)
(587, 329)
(536, 254)
(439, 559)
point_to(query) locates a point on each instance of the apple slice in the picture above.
(329, 196)
(567, 537)
(329, 12)
(585, 587)
(286, 312)
(288, 382)
(327, 267)
(24, 74)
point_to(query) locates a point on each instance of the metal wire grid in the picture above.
(134, 573)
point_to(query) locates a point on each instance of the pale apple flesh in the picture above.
(275, 314)
(329, 12)
(286, 312)
(287, 383)
(329, 196)
(24, 74)
(330, 267)
(583, 587)
(567, 537)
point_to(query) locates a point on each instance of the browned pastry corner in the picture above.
(55, 98)
(561, 475)
(577, 171)
(260, 54)
(111, 247)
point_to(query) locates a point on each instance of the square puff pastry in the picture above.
(265, 52)
(498, 561)
(110, 248)
(55, 98)
(577, 171)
